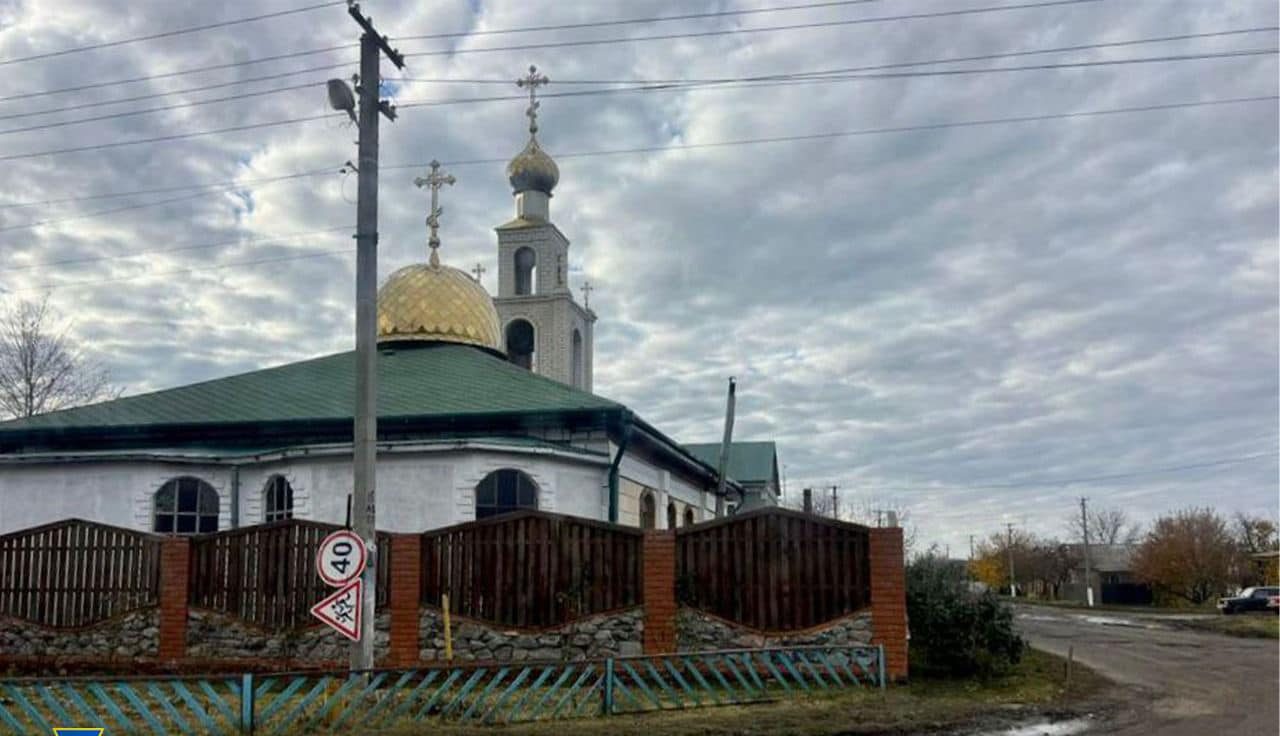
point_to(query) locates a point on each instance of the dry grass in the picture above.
(1248, 625)
(925, 705)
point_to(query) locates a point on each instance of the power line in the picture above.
(762, 29)
(953, 487)
(836, 76)
(175, 249)
(714, 144)
(170, 34)
(812, 77)
(197, 269)
(158, 203)
(562, 44)
(229, 185)
(564, 82)
(634, 21)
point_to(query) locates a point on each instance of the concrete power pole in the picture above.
(1013, 581)
(364, 496)
(1084, 528)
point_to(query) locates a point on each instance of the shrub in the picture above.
(956, 631)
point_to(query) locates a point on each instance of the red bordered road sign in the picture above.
(341, 610)
(341, 558)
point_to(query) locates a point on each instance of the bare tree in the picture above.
(1106, 526)
(860, 509)
(41, 369)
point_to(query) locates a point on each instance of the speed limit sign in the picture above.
(341, 558)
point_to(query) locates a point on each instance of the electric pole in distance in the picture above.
(1013, 584)
(365, 437)
(1084, 530)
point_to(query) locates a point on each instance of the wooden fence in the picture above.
(74, 573)
(266, 574)
(532, 568)
(774, 569)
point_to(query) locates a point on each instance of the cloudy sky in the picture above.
(977, 324)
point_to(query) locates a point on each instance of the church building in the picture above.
(485, 406)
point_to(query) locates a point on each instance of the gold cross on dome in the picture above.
(478, 271)
(435, 180)
(533, 80)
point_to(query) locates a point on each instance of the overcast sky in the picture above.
(953, 321)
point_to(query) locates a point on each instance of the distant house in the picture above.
(1111, 566)
(754, 465)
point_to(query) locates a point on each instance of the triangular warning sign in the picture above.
(342, 609)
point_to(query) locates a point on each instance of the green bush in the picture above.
(955, 630)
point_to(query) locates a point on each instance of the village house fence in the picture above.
(530, 588)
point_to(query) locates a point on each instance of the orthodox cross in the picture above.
(587, 288)
(435, 180)
(533, 81)
(478, 271)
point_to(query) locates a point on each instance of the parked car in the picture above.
(1251, 599)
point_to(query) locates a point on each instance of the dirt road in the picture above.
(1183, 683)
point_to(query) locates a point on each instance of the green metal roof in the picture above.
(749, 462)
(418, 381)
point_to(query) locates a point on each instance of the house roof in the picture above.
(749, 462)
(413, 381)
(1106, 557)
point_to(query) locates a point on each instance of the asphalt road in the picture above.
(1178, 682)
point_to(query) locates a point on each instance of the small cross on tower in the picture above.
(587, 288)
(435, 180)
(533, 81)
(478, 271)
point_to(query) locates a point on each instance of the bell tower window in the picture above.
(526, 270)
(521, 343)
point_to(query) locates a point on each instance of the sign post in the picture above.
(340, 561)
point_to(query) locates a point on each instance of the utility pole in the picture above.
(1084, 528)
(1013, 585)
(971, 548)
(835, 503)
(724, 446)
(364, 501)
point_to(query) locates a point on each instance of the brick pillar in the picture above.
(659, 574)
(406, 579)
(889, 599)
(175, 567)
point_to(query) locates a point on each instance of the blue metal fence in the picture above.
(306, 703)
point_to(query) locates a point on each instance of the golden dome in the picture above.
(436, 303)
(533, 169)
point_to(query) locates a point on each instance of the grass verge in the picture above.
(1037, 685)
(1250, 626)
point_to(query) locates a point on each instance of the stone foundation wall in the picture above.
(218, 636)
(605, 635)
(130, 635)
(698, 631)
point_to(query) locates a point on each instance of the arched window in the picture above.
(648, 511)
(277, 499)
(688, 516)
(186, 506)
(503, 491)
(521, 343)
(578, 380)
(526, 262)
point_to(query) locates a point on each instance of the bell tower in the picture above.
(543, 328)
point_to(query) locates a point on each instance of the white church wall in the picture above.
(117, 493)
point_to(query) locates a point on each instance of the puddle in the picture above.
(1045, 728)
